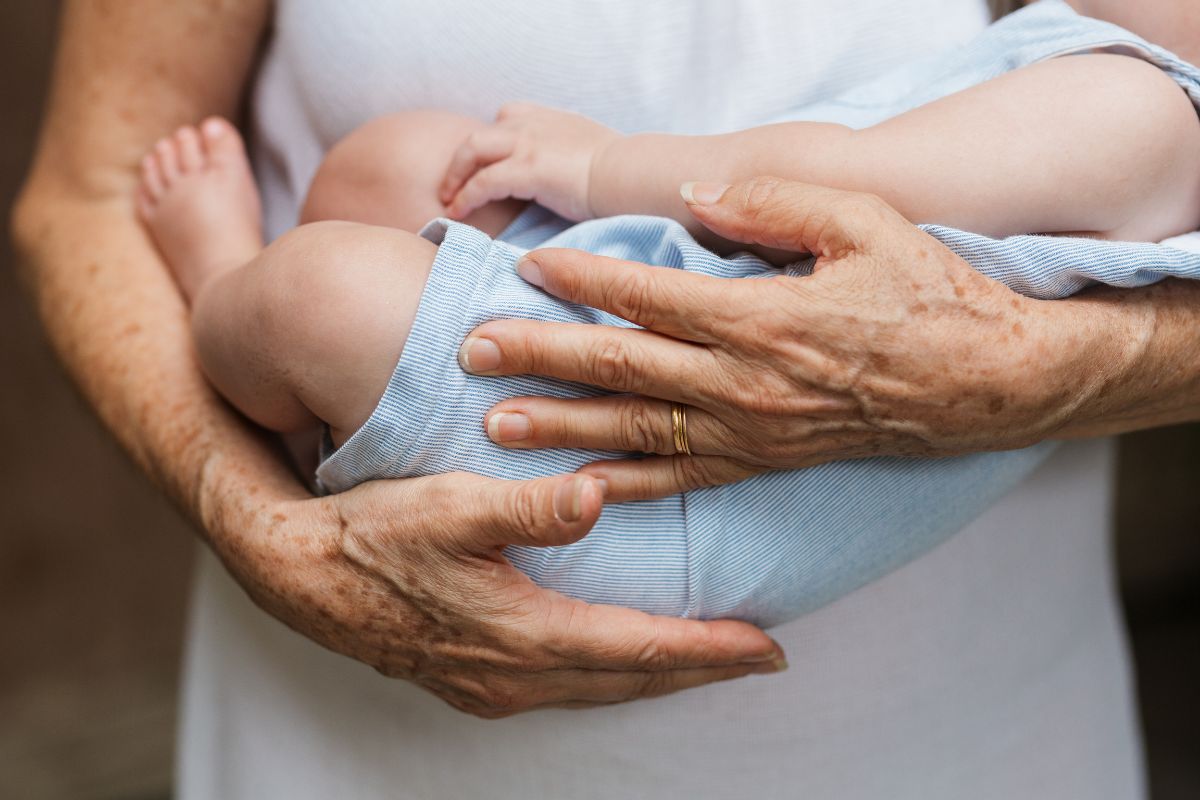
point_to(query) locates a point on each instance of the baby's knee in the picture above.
(387, 172)
(338, 300)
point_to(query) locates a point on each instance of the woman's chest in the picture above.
(676, 65)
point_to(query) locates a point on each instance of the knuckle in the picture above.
(765, 215)
(611, 365)
(652, 656)
(480, 182)
(760, 195)
(763, 394)
(524, 509)
(633, 299)
(761, 404)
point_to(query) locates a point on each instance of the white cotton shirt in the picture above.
(993, 667)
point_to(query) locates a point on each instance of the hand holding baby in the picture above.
(530, 153)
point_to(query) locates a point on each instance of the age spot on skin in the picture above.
(996, 405)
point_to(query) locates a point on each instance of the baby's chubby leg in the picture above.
(309, 329)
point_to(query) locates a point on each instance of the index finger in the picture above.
(484, 146)
(790, 215)
(670, 301)
(625, 640)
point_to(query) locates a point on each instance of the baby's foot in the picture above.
(200, 203)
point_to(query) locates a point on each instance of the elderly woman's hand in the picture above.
(408, 577)
(894, 346)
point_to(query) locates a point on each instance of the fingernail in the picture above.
(699, 193)
(568, 500)
(603, 484)
(530, 272)
(478, 356)
(508, 427)
(772, 667)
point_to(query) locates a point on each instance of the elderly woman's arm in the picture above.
(895, 346)
(363, 573)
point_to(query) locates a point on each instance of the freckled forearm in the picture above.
(107, 301)
(1145, 349)
(120, 329)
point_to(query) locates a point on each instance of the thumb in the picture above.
(538, 513)
(788, 215)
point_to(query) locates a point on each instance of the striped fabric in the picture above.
(776, 546)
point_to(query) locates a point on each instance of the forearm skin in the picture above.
(1036, 150)
(120, 328)
(107, 301)
(1145, 352)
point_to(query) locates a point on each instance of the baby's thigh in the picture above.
(387, 172)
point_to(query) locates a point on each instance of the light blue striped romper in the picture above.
(776, 546)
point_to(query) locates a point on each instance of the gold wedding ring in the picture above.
(679, 428)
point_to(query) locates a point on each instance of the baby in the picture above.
(350, 323)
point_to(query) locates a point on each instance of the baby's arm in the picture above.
(1101, 144)
(1095, 143)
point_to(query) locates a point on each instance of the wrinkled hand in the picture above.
(530, 153)
(894, 346)
(407, 576)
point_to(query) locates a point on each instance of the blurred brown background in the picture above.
(94, 565)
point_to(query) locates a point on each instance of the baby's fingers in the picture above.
(483, 147)
(499, 181)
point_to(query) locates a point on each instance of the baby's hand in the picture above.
(530, 153)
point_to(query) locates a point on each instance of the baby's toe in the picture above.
(222, 141)
(191, 152)
(168, 160)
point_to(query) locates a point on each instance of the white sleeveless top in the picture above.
(993, 667)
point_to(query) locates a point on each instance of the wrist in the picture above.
(602, 173)
(240, 488)
(270, 535)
